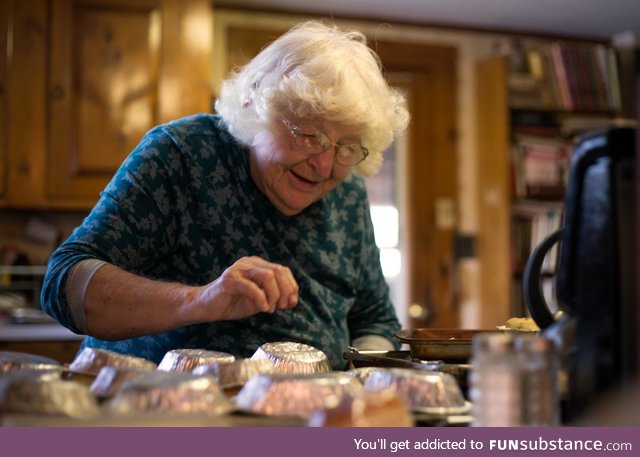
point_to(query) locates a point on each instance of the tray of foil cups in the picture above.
(170, 392)
(293, 358)
(12, 361)
(232, 376)
(44, 393)
(429, 393)
(300, 395)
(91, 360)
(188, 359)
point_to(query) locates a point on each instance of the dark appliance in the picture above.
(597, 318)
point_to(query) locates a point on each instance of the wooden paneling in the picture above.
(103, 90)
(87, 79)
(26, 108)
(60, 350)
(5, 13)
(494, 201)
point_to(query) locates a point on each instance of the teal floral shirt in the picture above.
(183, 207)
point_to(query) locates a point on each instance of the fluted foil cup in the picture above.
(189, 359)
(293, 358)
(12, 360)
(236, 373)
(294, 394)
(45, 393)
(426, 392)
(110, 379)
(91, 360)
(384, 408)
(170, 393)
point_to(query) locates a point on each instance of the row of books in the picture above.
(571, 77)
(539, 166)
(541, 145)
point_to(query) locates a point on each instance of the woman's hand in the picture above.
(249, 286)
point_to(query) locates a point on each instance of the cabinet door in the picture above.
(5, 8)
(117, 68)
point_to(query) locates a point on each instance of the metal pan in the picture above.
(439, 344)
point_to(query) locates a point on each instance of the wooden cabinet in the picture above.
(88, 79)
(64, 351)
(4, 35)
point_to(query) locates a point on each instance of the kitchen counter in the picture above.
(36, 332)
(49, 340)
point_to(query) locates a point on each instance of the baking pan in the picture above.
(438, 343)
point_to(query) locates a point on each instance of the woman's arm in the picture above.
(118, 304)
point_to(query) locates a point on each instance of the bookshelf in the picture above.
(528, 117)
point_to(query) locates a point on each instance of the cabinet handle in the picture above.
(58, 92)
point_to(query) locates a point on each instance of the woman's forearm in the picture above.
(116, 304)
(119, 304)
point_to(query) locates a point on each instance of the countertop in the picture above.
(36, 332)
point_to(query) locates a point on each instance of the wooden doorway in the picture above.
(428, 76)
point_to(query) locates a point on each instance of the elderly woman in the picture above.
(252, 225)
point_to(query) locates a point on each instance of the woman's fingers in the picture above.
(253, 285)
(277, 282)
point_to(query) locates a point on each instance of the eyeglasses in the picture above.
(311, 144)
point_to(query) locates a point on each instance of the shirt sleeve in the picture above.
(131, 226)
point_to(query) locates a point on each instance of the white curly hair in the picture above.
(316, 70)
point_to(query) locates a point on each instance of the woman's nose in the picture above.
(322, 162)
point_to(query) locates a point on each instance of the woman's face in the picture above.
(290, 178)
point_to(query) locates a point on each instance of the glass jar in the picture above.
(495, 383)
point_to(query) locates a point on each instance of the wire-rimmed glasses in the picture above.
(311, 144)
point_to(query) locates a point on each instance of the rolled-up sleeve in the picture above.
(131, 225)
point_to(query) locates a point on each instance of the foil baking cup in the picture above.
(236, 373)
(109, 379)
(91, 360)
(425, 392)
(297, 395)
(171, 393)
(293, 358)
(44, 393)
(11, 361)
(384, 408)
(188, 359)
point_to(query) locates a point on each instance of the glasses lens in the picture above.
(313, 144)
(350, 154)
